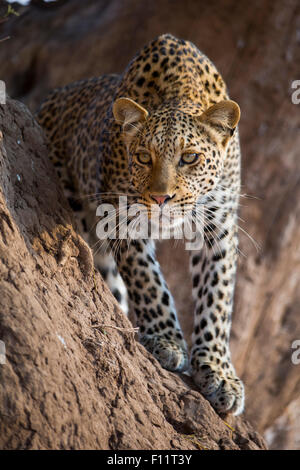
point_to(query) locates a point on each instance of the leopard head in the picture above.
(175, 155)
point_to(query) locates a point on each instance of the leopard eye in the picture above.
(144, 158)
(189, 158)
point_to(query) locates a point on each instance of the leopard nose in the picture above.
(161, 199)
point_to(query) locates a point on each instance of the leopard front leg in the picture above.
(213, 273)
(152, 304)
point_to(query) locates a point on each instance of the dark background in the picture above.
(255, 46)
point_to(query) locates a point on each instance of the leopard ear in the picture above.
(129, 113)
(223, 117)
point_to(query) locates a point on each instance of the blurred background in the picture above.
(256, 47)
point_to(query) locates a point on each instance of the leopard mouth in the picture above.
(166, 222)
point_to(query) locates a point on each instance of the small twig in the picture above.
(194, 439)
(232, 430)
(130, 330)
(11, 11)
(92, 340)
(228, 425)
(5, 39)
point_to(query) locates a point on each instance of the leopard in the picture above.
(164, 133)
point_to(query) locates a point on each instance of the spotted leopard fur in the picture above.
(126, 134)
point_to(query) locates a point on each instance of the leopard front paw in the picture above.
(223, 389)
(171, 354)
